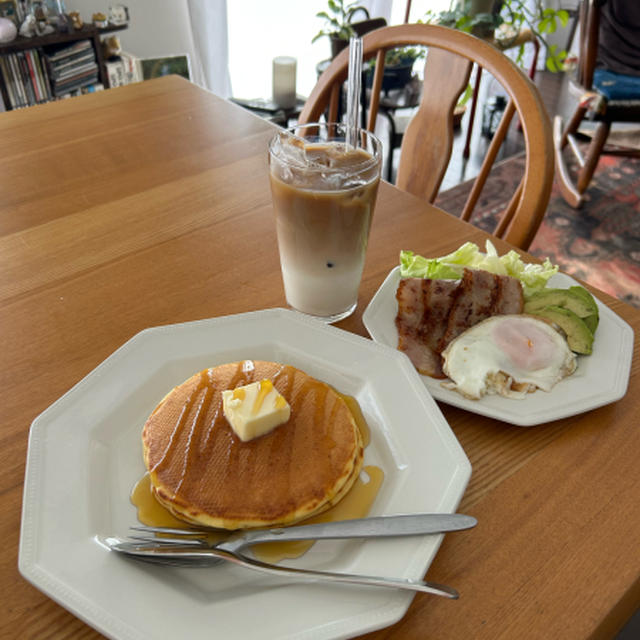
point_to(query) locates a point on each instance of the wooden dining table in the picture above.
(149, 205)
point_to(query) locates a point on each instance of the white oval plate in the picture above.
(600, 378)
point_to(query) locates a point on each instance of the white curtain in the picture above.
(209, 27)
(208, 20)
(377, 9)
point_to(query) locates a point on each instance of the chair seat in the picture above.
(600, 107)
(622, 111)
(616, 86)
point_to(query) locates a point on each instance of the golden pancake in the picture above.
(204, 474)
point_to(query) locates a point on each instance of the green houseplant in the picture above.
(398, 67)
(483, 17)
(338, 19)
(339, 27)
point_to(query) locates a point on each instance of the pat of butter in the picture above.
(255, 409)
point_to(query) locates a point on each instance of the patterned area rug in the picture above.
(599, 243)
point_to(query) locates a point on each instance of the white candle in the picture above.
(284, 81)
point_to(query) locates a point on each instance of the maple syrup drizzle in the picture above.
(355, 504)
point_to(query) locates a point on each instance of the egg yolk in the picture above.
(525, 345)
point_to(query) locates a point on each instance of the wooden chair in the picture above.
(428, 140)
(593, 105)
(525, 36)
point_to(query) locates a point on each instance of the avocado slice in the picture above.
(591, 320)
(576, 299)
(568, 298)
(579, 336)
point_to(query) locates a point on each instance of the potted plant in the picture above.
(483, 17)
(338, 23)
(398, 67)
(480, 17)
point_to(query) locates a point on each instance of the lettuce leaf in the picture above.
(450, 267)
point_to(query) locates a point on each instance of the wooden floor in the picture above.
(553, 89)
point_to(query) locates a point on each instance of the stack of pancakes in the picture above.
(204, 474)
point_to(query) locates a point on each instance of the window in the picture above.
(259, 31)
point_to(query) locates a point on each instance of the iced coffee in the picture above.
(324, 192)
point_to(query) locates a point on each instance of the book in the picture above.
(72, 71)
(14, 81)
(5, 79)
(115, 73)
(7, 75)
(32, 76)
(132, 67)
(76, 76)
(75, 73)
(71, 68)
(69, 88)
(73, 60)
(44, 88)
(123, 69)
(17, 82)
(70, 50)
(45, 77)
(20, 80)
(26, 78)
(75, 83)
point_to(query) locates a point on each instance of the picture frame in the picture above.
(157, 67)
(54, 8)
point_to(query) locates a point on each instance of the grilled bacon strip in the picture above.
(423, 309)
(431, 313)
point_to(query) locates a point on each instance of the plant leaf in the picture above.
(563, 16)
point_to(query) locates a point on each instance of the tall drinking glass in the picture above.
(324, 192)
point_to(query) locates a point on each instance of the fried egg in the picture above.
(509, 355)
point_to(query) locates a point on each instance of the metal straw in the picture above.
(353, 89)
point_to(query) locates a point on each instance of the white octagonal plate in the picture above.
(600, 378)
(85, 457)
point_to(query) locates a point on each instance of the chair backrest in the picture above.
(428, 140)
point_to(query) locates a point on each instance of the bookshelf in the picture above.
(50, 43)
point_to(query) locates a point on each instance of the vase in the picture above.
(337, 45)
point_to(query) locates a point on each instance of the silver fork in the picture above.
(189, 550)
(177, 555)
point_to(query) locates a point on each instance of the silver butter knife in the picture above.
(376, 527)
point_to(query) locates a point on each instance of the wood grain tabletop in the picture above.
(150, 205)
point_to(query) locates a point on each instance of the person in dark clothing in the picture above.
(619, 37)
